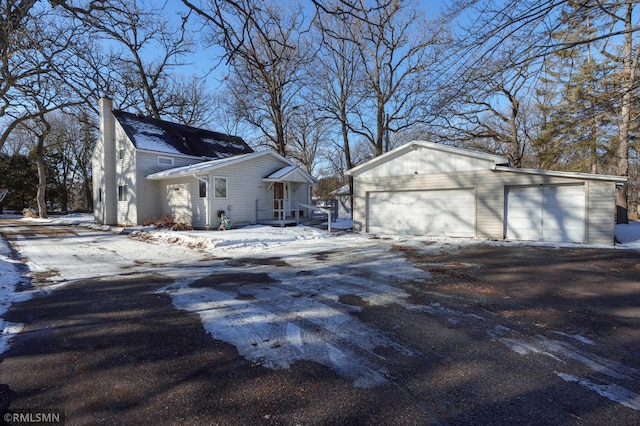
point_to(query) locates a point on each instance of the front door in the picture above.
(280, 199)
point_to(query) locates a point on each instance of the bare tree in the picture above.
(145, 49)
(336, 75)
(397, 48)
(307, 138)
(267, 51)
(628, 55)
(35, 66)
(30, 49)
(488, 112)
(535, 28)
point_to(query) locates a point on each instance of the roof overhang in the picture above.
(208, 166)
(290, 174)
(575, 175)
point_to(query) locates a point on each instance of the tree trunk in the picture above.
(628, 79)
(42, 178)
(347, 155)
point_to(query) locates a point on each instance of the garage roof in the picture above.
(403, 149)
(590, 176)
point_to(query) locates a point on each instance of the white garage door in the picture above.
(546, 213)
(442, 213)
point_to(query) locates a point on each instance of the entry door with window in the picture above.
(280, 199)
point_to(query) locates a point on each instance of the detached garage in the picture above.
(429, 189)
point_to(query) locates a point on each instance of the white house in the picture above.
(424, 188)
(144, 169)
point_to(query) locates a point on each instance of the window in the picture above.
(220, 187)
(121, 150)
(202, 188)
(122, 193)
(165, 161)
(99, 195)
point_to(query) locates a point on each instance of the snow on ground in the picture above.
(10, 278)
(628, 235)
(272, 323)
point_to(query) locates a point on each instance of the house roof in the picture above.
(287, 173)
(152, 134)
(402, 149)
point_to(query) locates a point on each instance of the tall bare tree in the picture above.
(486, 109)
(267, 51)
(307, 138)
(30, 47)
(398, 47)
(145, 49)
(336, 74)
(35, 68)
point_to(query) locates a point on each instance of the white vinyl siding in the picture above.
(437, 213)
(127, 213)
(490, 198)
(546, 213)
(244, 185)
(422, 160)
(151, 195)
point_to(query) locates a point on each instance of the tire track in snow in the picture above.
(562, 351)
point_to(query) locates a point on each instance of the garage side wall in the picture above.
(601, 207)
(490, 198)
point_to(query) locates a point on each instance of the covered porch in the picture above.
(285, 209)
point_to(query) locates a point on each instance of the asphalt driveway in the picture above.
(471, 334)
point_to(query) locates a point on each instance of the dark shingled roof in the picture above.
(173, 138)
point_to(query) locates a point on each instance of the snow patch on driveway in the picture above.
(562, 352)
(611, 391)
(10, 278)
(298, 315)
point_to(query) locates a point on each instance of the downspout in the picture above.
(207, 221)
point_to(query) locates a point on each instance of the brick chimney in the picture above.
(108, 139)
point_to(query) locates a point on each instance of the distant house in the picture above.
(344, 198)
(144, 169)
(430, 189)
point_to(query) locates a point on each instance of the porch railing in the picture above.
(277, 213)
(311, 209)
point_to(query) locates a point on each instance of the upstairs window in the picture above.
(121, 150)
(165, 161)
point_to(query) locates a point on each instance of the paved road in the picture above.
(110, 346)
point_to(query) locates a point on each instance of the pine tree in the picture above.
(576, 102)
